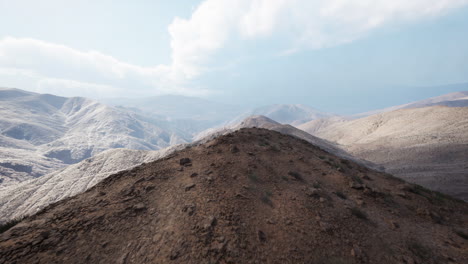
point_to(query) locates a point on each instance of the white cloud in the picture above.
(65, 71)
(309, 24)
(195, 42)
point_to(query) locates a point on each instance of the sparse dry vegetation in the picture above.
(296, 175)
(341, 195)
(359, 213)
(253, 177)
(419, 249)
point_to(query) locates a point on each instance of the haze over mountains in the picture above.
(42, 134)
(292, 114)
(203, 114)
(457, 99)
(188, 113)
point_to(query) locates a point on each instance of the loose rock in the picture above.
(184, 161)
(189, 187)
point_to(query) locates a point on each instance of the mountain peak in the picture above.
(258, 121)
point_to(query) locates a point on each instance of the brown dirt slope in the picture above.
(253, 196)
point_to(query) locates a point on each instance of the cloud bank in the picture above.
(307, 24)
(59, 69)
(196, 41)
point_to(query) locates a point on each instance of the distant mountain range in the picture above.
(189, 114)
(292, 114)
(40, 133)
(178, 107)
(457, 99)
(70, 144)
(196, 115)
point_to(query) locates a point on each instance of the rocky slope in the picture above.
(40, 133)
(260, 121)
(29, 197)
(428, 146)
(252, 196)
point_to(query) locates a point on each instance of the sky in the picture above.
(335, 55)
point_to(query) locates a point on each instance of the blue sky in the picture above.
(339, 56)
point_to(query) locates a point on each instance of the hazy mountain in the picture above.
(40, 133)
(190, 114)
(194, 115)
(293, 114)
(428, 145)
(250, 196)
(457, 99)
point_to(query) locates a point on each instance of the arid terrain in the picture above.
(27, 198)
(427, 146)
(234, 132)
(252, 196)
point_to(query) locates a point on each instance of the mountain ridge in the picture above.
(15, 202)
(58, 131)
(425, 145)
(254, 195)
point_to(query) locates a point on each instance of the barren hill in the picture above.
(29, 197)
(456, 99)
(428, 145)
(259, 121)
(252, 196)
